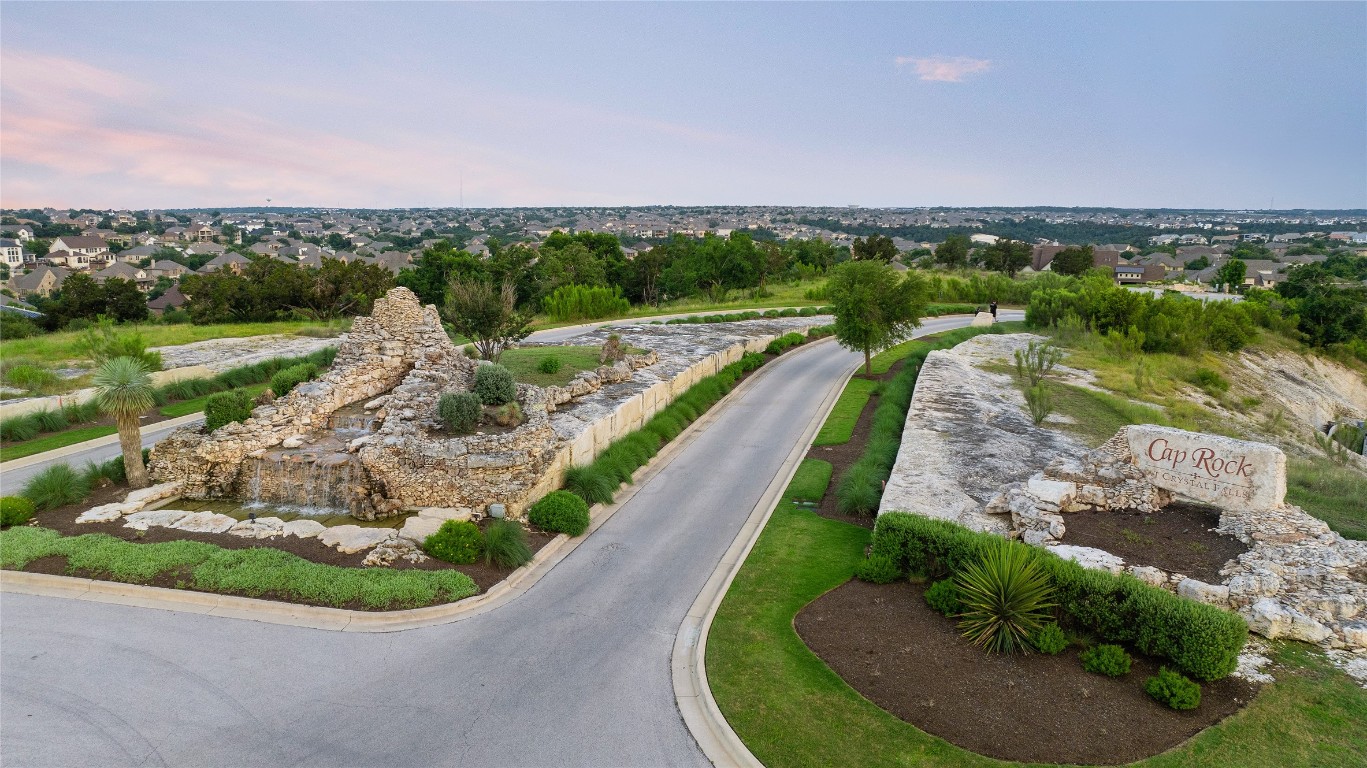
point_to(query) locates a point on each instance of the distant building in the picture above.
(42, 281)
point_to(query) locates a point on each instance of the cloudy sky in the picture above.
(404, 104)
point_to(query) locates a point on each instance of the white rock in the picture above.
(376, 403)
(1272, 620)
(163, 518)
(205, 522)
(1055, 492)
(1355, 635)
(982, 320)
(293, 441)
(106, 513)
(446, 513)
(1089, 557)
(153, 493)
(260, 528)
(1154, 577)
(1201, 592)
(348, 539)
(418, 528)
(1210, 468)
(304, 529)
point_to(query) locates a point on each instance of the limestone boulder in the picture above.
(160, 518)
(349, 539)
(205, 522)
(1201, 592)
(1273, 620)
(1089, 557)
(108, 513)
(304, 529)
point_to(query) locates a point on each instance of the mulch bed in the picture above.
(891, 647)
(1177, 538)
(63, 520)
(847, 453)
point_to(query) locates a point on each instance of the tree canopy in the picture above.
(874, 305)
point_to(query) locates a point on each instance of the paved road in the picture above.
(574, 672)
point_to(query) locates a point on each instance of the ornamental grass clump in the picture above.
(1106, 659)
(456, 541)
(56, 486)
(560, 512)
(591, 484)
(1006, 598)
(1173, 690)
(505, 544)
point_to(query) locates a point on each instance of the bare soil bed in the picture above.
(63, 520)
(1179, 538)
(891, 647)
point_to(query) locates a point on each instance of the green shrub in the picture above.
(1006, 598)
(549, 364)
(591, 483)
(505, 544)
(560, 512)
(877, 569)
(1202, 640)
(751, 361)
(1039, 402)
(285, 380)
(1049, 639)
(31, 378)
(1106, 659)
(581, 302)
(942, 597)
(15, 510)
(1211, 382)
(784, 343)
(494, 384)
(459, 411)
(1173, 690)
(50, 421)
(112, 470)
(456, 541)
(226, 408)
(56, 486)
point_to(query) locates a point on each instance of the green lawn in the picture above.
(523, 362)
(790, 709)
(1330, 492)
(65, 345)
(839, 425)
(1097, 416)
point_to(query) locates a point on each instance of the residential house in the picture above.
(80, 244)
(235, 262)
(200, 249)
(125, 272)
(11, 253)
(137, 253)
(201, 232)
(1042, 256)
(73, 261)
(42, 281)
(21, 232)
(17, 307)
(166, 268)
(175, 233)
(1138, 273)
(394, 261)
(172, 299)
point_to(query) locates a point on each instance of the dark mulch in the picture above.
(63, 520)
(847, 453)
(887, 644)
(1177, 538)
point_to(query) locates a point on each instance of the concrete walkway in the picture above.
(574, 672)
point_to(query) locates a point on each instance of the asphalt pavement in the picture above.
(576, 672)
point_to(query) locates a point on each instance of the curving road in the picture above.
(574, 672)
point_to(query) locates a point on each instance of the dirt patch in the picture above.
(63, 520)
(1177, 538)
(844, 455)
(886, 643)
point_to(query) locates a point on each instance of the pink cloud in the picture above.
(945, 69)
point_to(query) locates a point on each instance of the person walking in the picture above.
(993, 307)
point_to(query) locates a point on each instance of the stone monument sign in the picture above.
(1218, 470)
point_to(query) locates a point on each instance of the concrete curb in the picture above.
(343, 620)
(701, 714)
(99, 442)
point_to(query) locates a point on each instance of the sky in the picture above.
(1180, 105)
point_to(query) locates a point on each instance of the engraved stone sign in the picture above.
(1217, 470)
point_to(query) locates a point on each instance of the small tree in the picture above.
(874, 306)
(1232, 274)
(124, 390)
(1074, 260)
(485, 314)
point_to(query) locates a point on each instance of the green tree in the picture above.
(123, 300)
(435, 270)
(488, 315)
(1232, 274)
(874, 306)
(81, 298)
(953, 252)
(1074, 260)
(1009, 256)
(124, 390)
(876, 247)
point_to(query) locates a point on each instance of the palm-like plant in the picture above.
(1005, 596)
(124, 390)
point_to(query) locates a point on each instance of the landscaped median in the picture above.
(885, 644)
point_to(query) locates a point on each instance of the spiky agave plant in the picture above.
(1006, 597)
(124, 390)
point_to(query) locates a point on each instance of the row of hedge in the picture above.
(861, 487)
(29, 426)
(598, 481)
(1202, 640)
(735, 317)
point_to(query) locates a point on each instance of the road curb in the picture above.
(704, 719)
(344, 620)
(98, 442)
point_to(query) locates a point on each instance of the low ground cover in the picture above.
(1331, 492)
(525, 363)
(839, 426)
(65, 346)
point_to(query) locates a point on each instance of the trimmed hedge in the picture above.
(560, 512)
(225, 408)
(784, 343)
(284, 381)
(1202, 640)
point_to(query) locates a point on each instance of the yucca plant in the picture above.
(1006, 598)
(124, 390)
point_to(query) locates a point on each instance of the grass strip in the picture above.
(53, 441)
(839, 426)
(256, 572)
